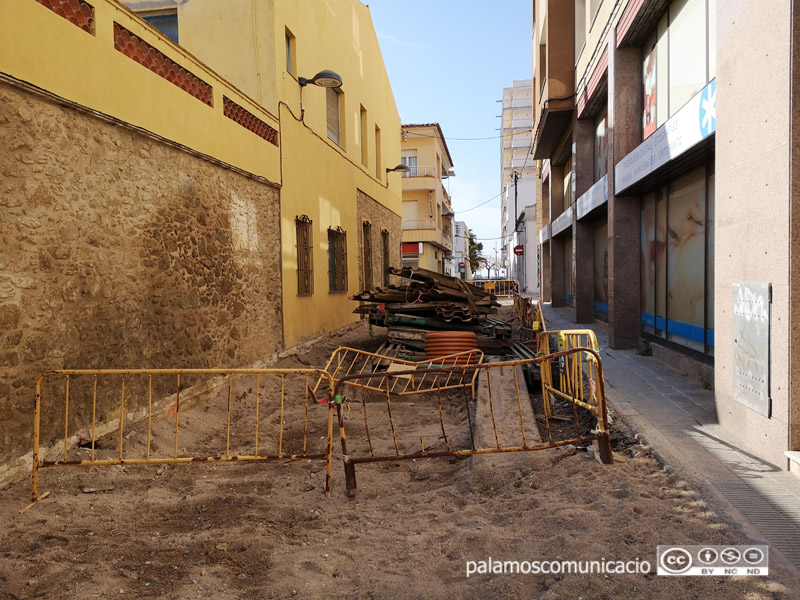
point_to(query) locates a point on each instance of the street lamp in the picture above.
(326, 78)
(401, 168)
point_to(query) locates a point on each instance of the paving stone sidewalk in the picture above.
(677, 418)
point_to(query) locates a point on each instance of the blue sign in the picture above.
(708, 109)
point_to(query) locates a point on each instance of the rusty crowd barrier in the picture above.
(377, 369)
(531, 316)
(502, 288)
(381, 432)
(248, 402)
(573, 372)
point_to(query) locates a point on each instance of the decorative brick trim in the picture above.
(146, 55)
(248, 120)
(77, 12)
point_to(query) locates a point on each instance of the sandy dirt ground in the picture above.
(267, 530)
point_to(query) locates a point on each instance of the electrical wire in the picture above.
(415, 134)
(458, 212)
(463, 237)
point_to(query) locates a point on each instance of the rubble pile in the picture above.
(425, 301)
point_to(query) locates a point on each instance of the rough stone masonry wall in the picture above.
(381, 218)
(120, 251)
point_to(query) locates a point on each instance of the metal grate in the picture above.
(763, 510)
(337, 260)
(366, 241)
(305, 256)
(386, 257)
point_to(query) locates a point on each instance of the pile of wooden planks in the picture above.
(429, 301)
(427, 293)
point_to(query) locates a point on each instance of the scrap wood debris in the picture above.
(425, 301)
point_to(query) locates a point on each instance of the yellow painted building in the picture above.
(94, 67)
(427, 209)
(336, 143)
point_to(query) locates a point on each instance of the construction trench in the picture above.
(423, 393)
(235, 505)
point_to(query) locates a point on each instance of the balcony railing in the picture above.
(421, 171)
(419, 224)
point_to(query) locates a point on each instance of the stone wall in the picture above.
(121, 251)
(381, 219)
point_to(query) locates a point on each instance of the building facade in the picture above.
(340, 208)
(518, 181)
(461, 235)
(657, 194)
(172, 199)
(427, 209)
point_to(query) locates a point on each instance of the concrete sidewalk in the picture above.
(677, 418)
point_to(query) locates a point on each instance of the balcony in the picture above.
(419, 224)
(426, 230)
(421, 171)
(556, 70)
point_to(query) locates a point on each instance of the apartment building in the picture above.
(667, 188)
(461, 235)
(427, 209)
(518, 181)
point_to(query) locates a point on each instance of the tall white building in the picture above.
(518, 180)
(461, 251)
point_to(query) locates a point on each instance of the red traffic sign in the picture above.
(519, 250)
(461, 265)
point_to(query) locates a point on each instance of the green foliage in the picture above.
(475, 249)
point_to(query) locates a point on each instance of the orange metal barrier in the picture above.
(449, 424)
(572, 370)
(531, 316)
(378, 369)
(281, 399)
(501, 287)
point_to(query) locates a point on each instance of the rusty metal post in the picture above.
(349, 467)
(329, 457)
(350, 476)
(603, 447)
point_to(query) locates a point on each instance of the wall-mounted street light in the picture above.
(449, 214)
(401, 168)
(326, 78)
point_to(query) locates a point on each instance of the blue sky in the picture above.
(448, 62)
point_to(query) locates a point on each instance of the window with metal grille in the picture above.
(305, 256)
(386, 258)
(366, 241)
(334, 112)
(337, 260)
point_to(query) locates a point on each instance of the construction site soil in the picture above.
(267, 530)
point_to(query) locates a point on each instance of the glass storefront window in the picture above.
(601, 268)
(600, 147)
(677, 261)
(678, 60)
(686, 249)
(687, 51)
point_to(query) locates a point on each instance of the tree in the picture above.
(489, 264)
(475, 249)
